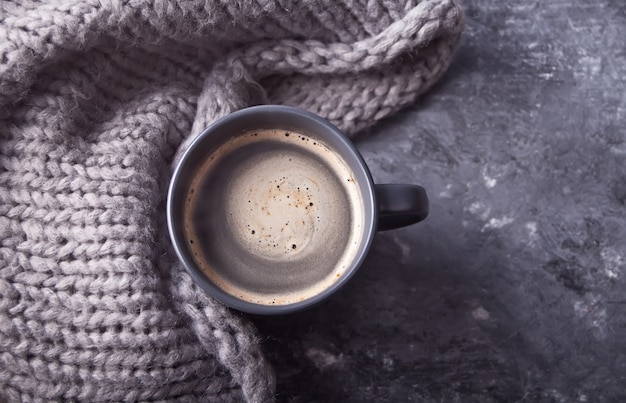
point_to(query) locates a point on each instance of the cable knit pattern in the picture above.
(97, 100)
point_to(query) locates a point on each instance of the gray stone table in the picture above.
(514, 288)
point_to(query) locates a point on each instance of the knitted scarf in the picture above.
(97, 98)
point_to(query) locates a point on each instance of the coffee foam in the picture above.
(288, 212)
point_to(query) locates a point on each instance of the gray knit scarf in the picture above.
(97, 97)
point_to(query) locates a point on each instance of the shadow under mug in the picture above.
(228, 268)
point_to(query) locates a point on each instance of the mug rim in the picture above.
(174, 206)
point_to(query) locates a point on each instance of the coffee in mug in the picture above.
(273, 216)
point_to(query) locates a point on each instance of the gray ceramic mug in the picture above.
(272, 209)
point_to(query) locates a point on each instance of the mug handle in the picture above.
(400, 205)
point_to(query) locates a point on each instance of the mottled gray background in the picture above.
(514, 289)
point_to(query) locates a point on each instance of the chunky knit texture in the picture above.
(97, 97)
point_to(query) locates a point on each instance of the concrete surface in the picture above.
(514, 289)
